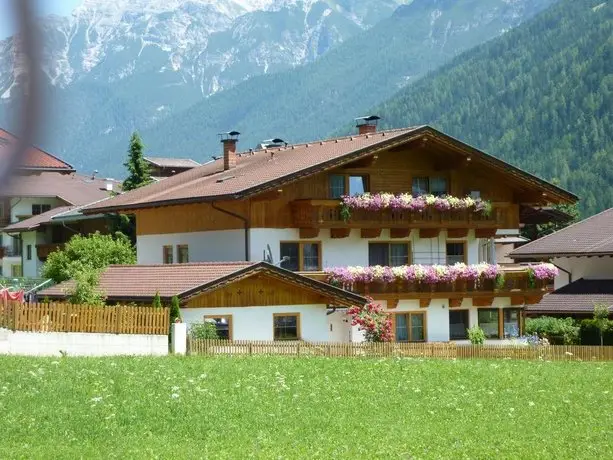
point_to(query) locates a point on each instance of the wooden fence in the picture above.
(82, 318)
(415, 350)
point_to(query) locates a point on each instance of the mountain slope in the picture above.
(541, 97)
(313, 100)
(118, 65)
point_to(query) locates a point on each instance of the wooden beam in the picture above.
(392, 303)
(483, 301)
(370, 232)
(429, 232)
(485, 232)
(309, 233)
(400, 232)
(457, 233)
(268, 196)
(339, 232)
(424, 303)
(455, 303)
(517, 300)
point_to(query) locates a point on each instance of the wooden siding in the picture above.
(391, 171)
(257, 291)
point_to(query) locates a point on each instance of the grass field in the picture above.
(303, 408)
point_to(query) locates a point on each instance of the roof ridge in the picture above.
(187, 264)
(563, 230)
(42, 150)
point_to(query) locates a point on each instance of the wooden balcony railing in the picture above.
(43, 250)
(516, 281)
(327, 214)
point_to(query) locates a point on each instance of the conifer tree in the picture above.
(138, 169)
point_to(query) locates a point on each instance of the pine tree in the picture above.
(157, 300)
(138, 168)
(175, 312)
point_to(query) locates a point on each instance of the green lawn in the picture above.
(260, 407)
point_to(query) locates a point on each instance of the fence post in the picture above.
(178, 338)
(15, 316)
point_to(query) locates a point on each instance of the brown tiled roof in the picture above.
(74, 189)
(141, 282)
(577, 297)
(592, 236)
(35, 221)
(263, 169)
(181, 163)
(34, 158)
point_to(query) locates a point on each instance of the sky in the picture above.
(43, 7)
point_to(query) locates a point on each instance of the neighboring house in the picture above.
(282, 204)
(47, 232)
(288, 305)
(160, 168)
(40, 184)
(583, 253)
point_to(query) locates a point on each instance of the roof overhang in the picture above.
(554, 255)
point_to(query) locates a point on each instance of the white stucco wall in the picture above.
(82, 344)
(353, 250)
(217, 246)
(583, 267)
(255, 323)
(23, 206)
(31, 268)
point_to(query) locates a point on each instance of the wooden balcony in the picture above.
(43, 250)
(4, 222)
(317, 214)
(516, 286)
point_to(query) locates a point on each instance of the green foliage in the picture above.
(157, 301)
(476, 335)
(85, 290)
(138, 169)
(540, 97)
(499, 282)
(206, 330)
(601, 319)
(533, 232)
(46, 300)
(85, 253)
(175, 311)
(559, 331)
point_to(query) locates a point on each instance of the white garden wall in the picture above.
(81, 344)
(583, 267)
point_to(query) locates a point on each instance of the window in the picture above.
(488, 321)
(40, 208)
(434, 185)
(223, 324)
(167, 254)
(301, 256)
(16, 271)
(511, 322)
(410, 327)
(182, 254)
(348, 184)
(458, 324)
(456, 252)
(286, 326)
(389, 254)
(29, 252)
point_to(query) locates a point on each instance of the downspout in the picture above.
(245, 221)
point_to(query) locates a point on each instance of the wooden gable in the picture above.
(256, 291)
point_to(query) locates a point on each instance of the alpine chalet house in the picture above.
(161, 168)
(405, 216)
(583, 254)
(40, 184)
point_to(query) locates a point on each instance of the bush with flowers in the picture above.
(407, 202)
(373, 321)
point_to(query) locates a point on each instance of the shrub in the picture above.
(589, 333)
(559, 331)
(476, 335)
(206, 330)
(175, 311)
(157, 300)
(373, 321)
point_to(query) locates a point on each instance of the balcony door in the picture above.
(458, 324)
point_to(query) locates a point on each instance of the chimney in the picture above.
(367, 125)
(229, 141)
